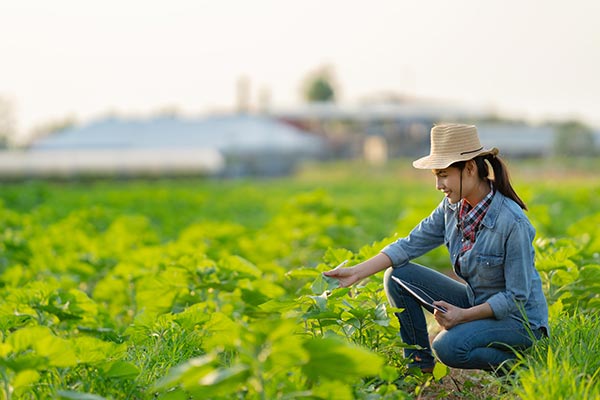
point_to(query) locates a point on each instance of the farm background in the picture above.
(212, 288)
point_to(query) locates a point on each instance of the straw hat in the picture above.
(451, 143)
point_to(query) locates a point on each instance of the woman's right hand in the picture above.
(350, 276)
(346, 276)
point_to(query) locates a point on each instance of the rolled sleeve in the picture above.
(518, 270)
(500, 305)
(426, 236)
(396, 253)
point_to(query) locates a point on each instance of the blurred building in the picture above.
(518, 140)
(377, 132)
(233, 145)
(368, 130)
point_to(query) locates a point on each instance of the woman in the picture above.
(501, 305)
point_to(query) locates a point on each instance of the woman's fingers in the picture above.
(337, 271)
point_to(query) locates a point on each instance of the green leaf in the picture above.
(439, 371)
(277, 306)
(240, 266)
(177, 394)
(221, 331)
(254, 297)
(90, 350)
(25, 339)
(25, 378)
(55, 351)
(219, 382)
(202, 379)
(389, 374)
(333, 390)
(336, 256)
(121, 370)
(72, 395)
(5, 349)
(301, 273)
(187, 372)
(333, 358)
(58, 351)
(324, 284)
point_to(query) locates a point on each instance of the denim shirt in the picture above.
(499, 269)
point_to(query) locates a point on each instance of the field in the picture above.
(177, 289)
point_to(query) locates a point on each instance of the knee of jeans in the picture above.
(449, 350)
(389, 288)
(387, 275)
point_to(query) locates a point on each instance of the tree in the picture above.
(7, 122)
(319, 86)
(573, 138)
(51, 127)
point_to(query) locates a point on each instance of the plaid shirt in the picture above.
(470, 219)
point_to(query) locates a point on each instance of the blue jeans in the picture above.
(482, 344)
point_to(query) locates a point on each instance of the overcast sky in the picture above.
(532, 59)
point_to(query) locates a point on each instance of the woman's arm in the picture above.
(349, 276)
(428, 235)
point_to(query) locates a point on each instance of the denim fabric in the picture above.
(499, 269)
(483, 344)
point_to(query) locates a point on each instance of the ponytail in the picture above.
(500, 176)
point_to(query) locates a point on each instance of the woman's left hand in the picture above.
(449, 319)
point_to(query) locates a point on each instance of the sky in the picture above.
(535, 60)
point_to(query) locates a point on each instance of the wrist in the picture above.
(356, 272)
(465, 315)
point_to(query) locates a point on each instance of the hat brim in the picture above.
(441, 161)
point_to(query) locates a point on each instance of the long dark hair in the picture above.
(500, 171)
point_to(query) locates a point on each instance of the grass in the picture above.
(565, 366)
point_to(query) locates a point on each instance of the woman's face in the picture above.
(447, 180)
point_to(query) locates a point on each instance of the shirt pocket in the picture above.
(490, 268)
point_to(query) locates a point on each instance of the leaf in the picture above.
(333, 358)
(220, 331)
(53, 350)
(333, 391)
(202, 379)
(301, 273)
(121, 370)
(324, 284)
(439, 371)
(336, 256)
(90, 350)
(590, 275)
(563, 278)
(221, 382)
(72, 395)
(389, 374)
(177, 394)
(555, 309)
(241, 266)
(25, 339)
(25, 378)
(186, 372)
(58, 351)
(5, 349)
(278, 306)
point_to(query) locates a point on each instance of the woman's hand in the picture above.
(456, 315)
(350, 276)
(452, 317)
(346, 276)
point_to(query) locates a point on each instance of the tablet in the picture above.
(421, 298)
